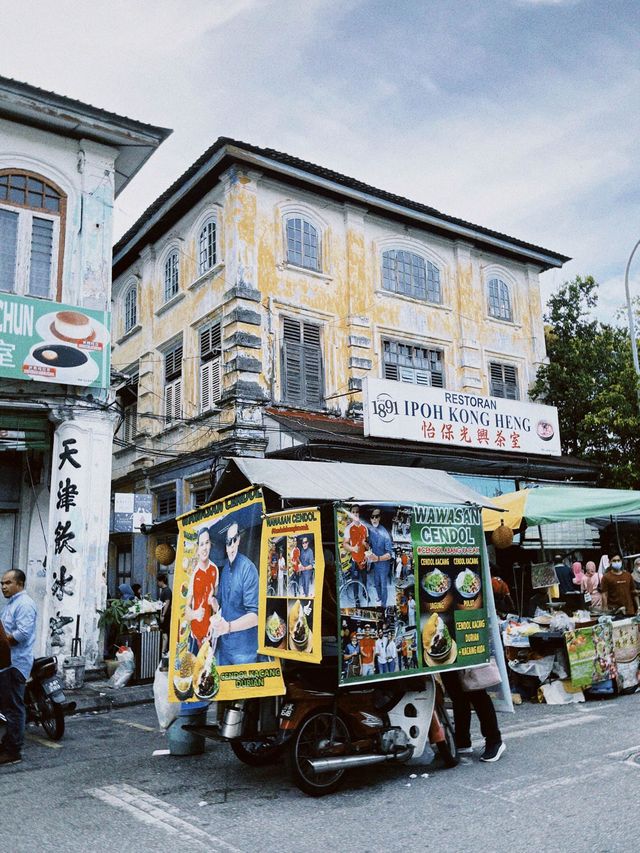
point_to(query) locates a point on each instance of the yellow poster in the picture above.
(214, 625)
(291, 574)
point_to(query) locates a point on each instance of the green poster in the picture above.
(46, 341)
(590, 653)
(450, 583)
(410, 583)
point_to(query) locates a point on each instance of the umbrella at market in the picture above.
(548, 504)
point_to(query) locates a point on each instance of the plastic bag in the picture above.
(125, 670)
(166, 711)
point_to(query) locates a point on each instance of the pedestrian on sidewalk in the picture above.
(480, 700)
(19, 622)
(165, 613)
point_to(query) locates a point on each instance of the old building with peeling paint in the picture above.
(62, 162)
(255, 295)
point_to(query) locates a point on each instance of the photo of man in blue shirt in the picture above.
(307, 564)
(379, 556)
(19, 622)
(237, 630)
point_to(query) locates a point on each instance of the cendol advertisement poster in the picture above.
(213, 652)
(411, 584)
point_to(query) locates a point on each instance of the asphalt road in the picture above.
(569, 781)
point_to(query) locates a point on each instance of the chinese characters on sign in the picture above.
(65, 521)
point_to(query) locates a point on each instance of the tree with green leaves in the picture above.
(591, 379)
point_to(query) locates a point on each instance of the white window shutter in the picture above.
(216, 379)
(177, 399)
(205, 386)
(168, 403)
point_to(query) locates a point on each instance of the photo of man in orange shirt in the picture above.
(367, 651)
(201, 597)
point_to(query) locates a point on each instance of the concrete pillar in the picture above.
(78, 535)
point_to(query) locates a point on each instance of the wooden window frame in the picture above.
(62, 217)
(415, 372)
(306, 352)
(504, 381)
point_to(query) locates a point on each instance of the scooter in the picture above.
(328, 731)
(44, 699)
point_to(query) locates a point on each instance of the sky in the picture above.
(518, 115)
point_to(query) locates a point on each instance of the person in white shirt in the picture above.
(411, 609)
(381, 653)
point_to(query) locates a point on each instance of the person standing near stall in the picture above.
(590, 584)
(564, 574)
(481, 703)
(618, 589)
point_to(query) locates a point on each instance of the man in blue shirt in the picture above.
(237, 630)
(307, 564)
(381, 552)
(19, 621)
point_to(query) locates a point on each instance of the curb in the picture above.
(100, 698)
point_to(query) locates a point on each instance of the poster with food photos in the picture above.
(292, 573)
(213, 650)
(411, 584)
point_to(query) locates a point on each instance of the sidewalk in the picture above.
(98, 696)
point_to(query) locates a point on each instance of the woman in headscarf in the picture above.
(590, 583)
(578, 574)
(126, 593)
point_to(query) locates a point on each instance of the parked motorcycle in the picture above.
(44, 699)
(327, 732)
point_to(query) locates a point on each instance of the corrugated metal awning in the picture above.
(344, 481)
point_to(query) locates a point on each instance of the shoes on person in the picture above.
(10, 758)
(492, 752)
(465, 750)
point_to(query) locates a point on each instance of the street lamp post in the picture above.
(632, 325)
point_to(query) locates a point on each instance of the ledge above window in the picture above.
(173, 301)
(286, 265)
(210, 273)
(132, 331)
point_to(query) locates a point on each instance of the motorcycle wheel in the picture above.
(258, 753)
(51, 718)
(313, 740)
(447, 749)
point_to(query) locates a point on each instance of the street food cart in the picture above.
(340, 590)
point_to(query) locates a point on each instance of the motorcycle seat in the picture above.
(44, 667)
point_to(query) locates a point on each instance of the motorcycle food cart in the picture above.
(317, 601)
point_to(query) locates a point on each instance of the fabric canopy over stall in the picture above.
(549, 504)
(327, 481)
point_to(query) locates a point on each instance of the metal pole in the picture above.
(632, 325)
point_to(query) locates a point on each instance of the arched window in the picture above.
(499, 300)
(171, 275)
(131, 308)
(207, 247)
(303, 244)
(31, 231)
(408, 273)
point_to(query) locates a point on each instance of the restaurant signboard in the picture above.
(410, 412)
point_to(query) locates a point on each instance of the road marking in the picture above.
(159, 814)
(134, 725)
(624, 752)
(546, 719)
(43, 741)
(509, 734)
